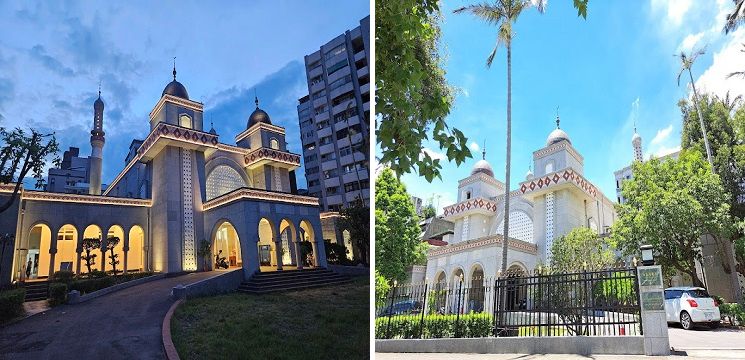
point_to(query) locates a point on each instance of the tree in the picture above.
(356, 219)
(396, 228)
(111, 243)
(670, 205)
(736, 17)
(582, 249)
(204, 252)
(90, 244)
(503, 14)
(381, 290)
(21, 154)
(412, 97)
(725, 119)
(429, 211)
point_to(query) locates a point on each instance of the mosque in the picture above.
(181, 188)
(547, 205)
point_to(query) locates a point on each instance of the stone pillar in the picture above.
(315, 253)
(653, 318)
(78, 251)
(52, 253)
(125, 249)
(298, 255)
(278, 252)
(250, 255)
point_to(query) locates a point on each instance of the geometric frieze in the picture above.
(462, 246)
(560, 177)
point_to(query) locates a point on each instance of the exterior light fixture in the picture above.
(647, 257)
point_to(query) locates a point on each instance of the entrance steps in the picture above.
(285, 280)
(36, 290)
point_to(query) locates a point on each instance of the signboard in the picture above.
(650, 277)
(653, 301)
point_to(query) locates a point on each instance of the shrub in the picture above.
(435, 326)
(85, 286)
(62, 276)
(381, 290)
(57, 293)
(733, 310)
(11, 303)
(336, 253)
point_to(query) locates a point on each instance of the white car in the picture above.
(691, 305)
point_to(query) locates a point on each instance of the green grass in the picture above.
(324, 323)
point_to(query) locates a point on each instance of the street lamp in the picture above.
(647, 257)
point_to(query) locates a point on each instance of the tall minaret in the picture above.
(636, 140)
(97, 141)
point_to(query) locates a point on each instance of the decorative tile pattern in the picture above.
(273, 155)
(222, 180)
(83, 199)
(560, 177)
(255, 194)
(521, 226)
(463, 246)
(476, 203)
(190, 258)
(277, 179)
(549, 224)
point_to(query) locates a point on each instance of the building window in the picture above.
(335, 51)
(329, 156)
(549, 167)
(311, 157)
(185, 121)
(222, 180)
(325, 140)
(329, 173)
(311, 170)
(274, 144)
(468, 195)
(332, 190)
(336, 67)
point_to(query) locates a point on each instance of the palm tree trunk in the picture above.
(701, 121)
(506, 229)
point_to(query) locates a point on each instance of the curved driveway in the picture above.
(122, 325)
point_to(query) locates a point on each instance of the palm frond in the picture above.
(736, 17)
(736, 73)
(487, 12)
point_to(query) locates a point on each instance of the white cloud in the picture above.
(664, 150)
(690, 41)
(474, 146)
(674, 10)
(662, 135)
(433, 154)
(728, 59)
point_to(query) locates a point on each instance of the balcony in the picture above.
(352, 176)
(363, 71)
(331, 182)
(317, 86)
(322, 116)
(328, 165)
(339, 74)
(352, 195)
(315, 72)
(354, 120)
(359, 56)
(364, 89)
(341, 107)
(334, 199)
(341, 90)
(355, 157)
(319, 102)
(325, 149)
(366, 106)
(325, 132)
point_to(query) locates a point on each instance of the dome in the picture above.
(556, 136)
(98, 104)
(482, 166)
(176, 89)
(529, 175)
(258, 116)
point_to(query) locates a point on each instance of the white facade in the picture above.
(546, 206)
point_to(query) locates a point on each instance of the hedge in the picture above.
(435, 326)
(733, 310)
(11, 303)
(89, 285)
(57, 293)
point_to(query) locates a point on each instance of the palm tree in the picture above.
(686, 62)
(736, 17)
(503, 14)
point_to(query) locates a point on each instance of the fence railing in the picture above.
(589, 303)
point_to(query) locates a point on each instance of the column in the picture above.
(298, 255)
(315, 253)
(653, 318)
(78, 251)
(52, 250)
(125, 248)
(278, 252)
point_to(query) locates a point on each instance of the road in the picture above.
(122, 325)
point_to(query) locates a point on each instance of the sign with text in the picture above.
(650, 277)
(653, 301)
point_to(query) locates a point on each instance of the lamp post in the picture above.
(647, 255)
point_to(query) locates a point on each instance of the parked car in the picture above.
(402, 307)
(690, 306)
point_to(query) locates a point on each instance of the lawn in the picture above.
(324, 323)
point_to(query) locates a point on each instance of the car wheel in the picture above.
(714, 325)
(685, 321)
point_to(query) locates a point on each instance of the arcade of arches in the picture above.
(40, 260)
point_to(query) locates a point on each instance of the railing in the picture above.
(591, 303)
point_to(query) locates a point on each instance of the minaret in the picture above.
(97, 141)
(636, 140)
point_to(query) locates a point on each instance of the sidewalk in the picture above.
(689, 355)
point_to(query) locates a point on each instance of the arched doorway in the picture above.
(439, 295)
(93, 255)
(67, 243)
(457, 283)
(226, 244)
(287, 235)
(117, 263)
(136, 253)
(36, 263)
(308, 246)
(348, 244)
(267, 251)
(476, 290)
(517, 292)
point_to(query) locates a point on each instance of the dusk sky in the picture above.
(53, 54)
(603, 73)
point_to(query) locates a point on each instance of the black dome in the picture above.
(258, 116)
(175, 88)
(98, 104)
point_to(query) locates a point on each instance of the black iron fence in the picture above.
(589, 303)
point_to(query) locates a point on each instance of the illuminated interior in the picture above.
(36, 264)
(287, 232)
(348, 244)
(91, 232)
(227, 241)
(136, 256)
(67, 241)
(267, 255)
(116, 231)
(306, 234)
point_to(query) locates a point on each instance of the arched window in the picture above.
(274, 144)
(222, 180)
(185, 121)
(549, 167)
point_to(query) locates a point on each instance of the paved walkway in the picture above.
(123, 325)
(699, 355)
(703, 338)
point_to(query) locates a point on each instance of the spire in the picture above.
(256, 98)
(99, 89)
(174, 68)
(557, 118)
(483, 151)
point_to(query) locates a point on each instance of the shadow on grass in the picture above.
(324, 323)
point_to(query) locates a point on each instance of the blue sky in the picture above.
(603, 73)
(53, 54)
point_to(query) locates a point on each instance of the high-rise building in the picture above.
(335, 119)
